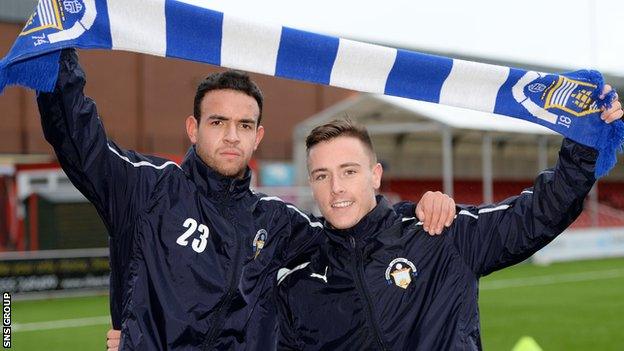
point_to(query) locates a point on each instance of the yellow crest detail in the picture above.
(572, 96)
(47, 15)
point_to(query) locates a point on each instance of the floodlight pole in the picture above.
(486, 166)
(593, 205)
(447, 161)
(542, 153)
(299, 154)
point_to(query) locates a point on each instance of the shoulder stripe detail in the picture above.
(271, 198)
(275, 198)
(142, 163)
(492, 209)
(314, 224)
(497, 208)
(285, 272)
(483, 210)
(405, 219)
(467, 213)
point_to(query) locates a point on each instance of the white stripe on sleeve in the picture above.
(467, 213)
(142, 163)
(275, 198)
(492, 209)
(285, 272)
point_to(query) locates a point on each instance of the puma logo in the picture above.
(322, 277)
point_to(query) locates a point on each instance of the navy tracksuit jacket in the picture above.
(193, 254)
(387, 285)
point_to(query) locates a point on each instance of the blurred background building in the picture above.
(52, 240)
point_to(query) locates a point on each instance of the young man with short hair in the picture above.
(378, 283)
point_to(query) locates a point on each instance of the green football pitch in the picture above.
(564, 306)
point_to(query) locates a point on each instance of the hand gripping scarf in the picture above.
(568, 103)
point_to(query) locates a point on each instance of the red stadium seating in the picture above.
(610, 195)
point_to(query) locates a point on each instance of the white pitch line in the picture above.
(60, 324)
(551, 279)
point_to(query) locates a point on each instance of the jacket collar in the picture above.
(211, 183)
(378, 220)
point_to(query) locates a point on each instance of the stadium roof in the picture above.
(387, 114)
(465, 119)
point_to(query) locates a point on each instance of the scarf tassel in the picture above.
(38, 73)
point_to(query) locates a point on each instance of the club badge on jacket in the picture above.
(401, 271)
(259, 241)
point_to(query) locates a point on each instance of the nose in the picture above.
(231, 134)
(336, 186)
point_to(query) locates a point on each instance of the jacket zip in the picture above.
(359, 269)
(218, 316)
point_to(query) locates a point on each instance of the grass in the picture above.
(566, 315)
(87, 337)
(578, 306)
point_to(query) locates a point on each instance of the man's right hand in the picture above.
(435, 210)
(112, 339)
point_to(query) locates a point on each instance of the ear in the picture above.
(377, 173)
(191, 128)
(259, 136)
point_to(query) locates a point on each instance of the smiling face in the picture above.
(227, 133)
(343, 176)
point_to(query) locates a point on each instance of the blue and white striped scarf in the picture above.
(568, 104)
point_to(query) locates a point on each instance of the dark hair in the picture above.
(338, 128)
(232, 80)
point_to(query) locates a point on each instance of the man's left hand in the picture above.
(615, 112)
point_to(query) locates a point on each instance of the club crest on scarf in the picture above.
(401, 271)
(555, 99)
(259, 241)
(59, 20)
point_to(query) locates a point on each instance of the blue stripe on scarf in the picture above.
(193, 40)
(418, 76)
(99, 36)
(306, 56)
(503, 107)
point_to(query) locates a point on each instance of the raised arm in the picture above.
(496, 236)
(116, 181)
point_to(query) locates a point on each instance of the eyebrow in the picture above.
(247, 120)
(319, 170)
(223, 118)
(350, 164)
(344, 165)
